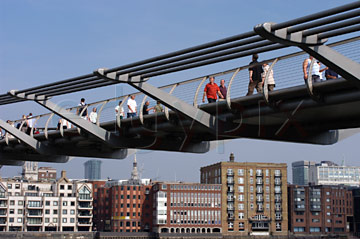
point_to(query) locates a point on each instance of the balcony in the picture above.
(3, 222)
(230, 182)
(230, 199)
(278, 209)
(231, 218)
(3, 205)
(85, 223)
(3, 213)
(34, 206)
(278, 199)
(85, 215)
(85, 197)
(85, 207)
(230, 173)
(259, 173)
(34, 215)
(259, 199)
(35, 223)
(278, 218)
(230, 208)
(259, 182)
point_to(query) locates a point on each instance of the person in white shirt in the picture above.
(30, 122)
(82, 109)
(270, 80)
(93, 116)
(131, 107)
(119, 110)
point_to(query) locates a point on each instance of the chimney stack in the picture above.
(63, 174)
(232, 158)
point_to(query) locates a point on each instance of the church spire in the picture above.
(134, 173)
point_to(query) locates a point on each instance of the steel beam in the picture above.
(168, 100)
(28, 140)
(342, 65)
(96, 131)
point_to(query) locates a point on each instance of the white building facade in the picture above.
(325, 174)
(62, 205)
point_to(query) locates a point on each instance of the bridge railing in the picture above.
(287, 73)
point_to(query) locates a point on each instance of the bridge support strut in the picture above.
(170, 101)
(314, 45)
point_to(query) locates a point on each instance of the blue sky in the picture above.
(46, 41)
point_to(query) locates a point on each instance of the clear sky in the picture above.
(44, 41)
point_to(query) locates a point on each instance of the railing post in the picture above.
(32, 129)
(228, 97)
(166, 108)
(118, 120)
(46, 132)
(197, 91)
(266, 83)
(141, 115)
(99, 113)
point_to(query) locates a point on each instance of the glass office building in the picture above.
(93, 169)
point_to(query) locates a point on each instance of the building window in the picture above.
(65, 203)
(20, 211)
(69, 187)
(47, 211)
(72, 220)
(64, 211)
(12, 202)
(19, 220)
(9, 186)
(251, 172)
(64, 220)
(241, 180)
(62, 187)
(278, 226)
(55, 203)
(241, 189)
(315, 229)
(54, 220)
(241, 215)
(55, 212)
(241, 172)
(241, 197)
(47, 220)
(47, 203)
(241, 206)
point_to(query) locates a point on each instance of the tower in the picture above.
(30, 171)
(134, 172)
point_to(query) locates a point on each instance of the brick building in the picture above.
(123, 205)
(46, 174)
(254, 196)
(319, 209)
(186, 207)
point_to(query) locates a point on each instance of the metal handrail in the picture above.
(228, 98)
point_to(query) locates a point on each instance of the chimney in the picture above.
(63, 174)
(232, 158)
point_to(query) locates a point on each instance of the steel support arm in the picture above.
(38, 146)
(342, 65)
(98, 132)
(168, 100)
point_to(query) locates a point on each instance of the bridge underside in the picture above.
(291, 116)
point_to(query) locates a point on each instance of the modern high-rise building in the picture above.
(254, 197)
(93, 169)
(319, 209)
(300, 172)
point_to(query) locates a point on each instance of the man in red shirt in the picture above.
(211, 91)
